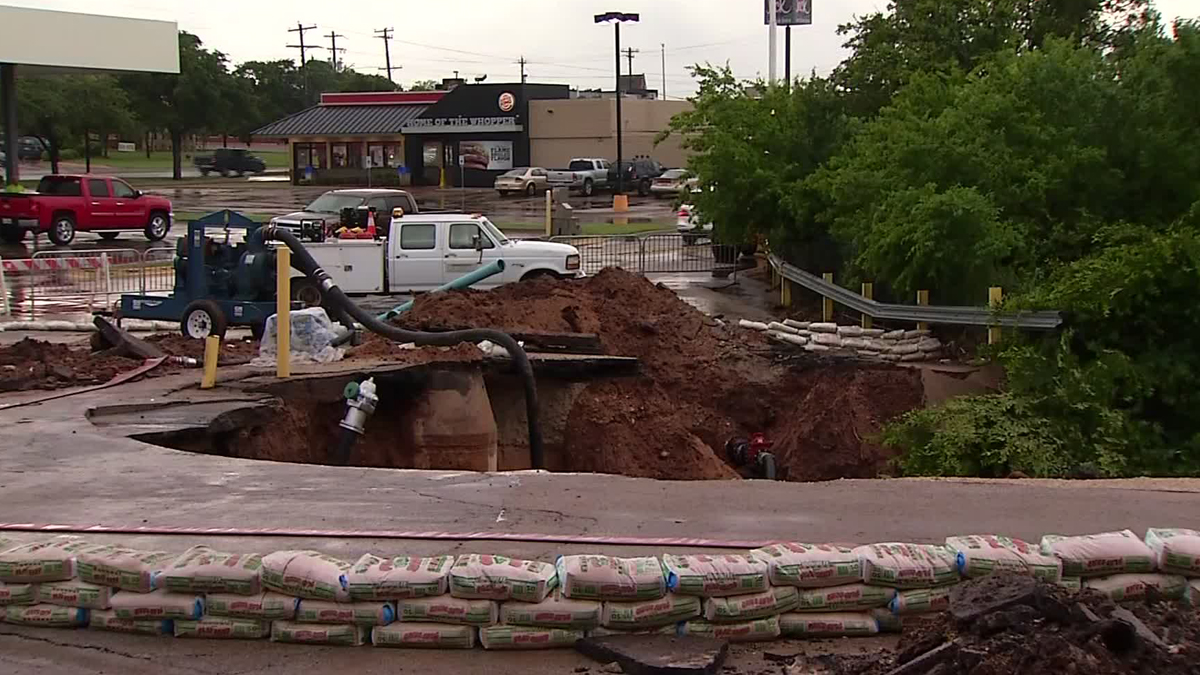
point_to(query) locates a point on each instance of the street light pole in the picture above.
(617, 18)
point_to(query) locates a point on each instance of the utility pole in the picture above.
(629, 55)
(522, 61)
(333, 48)
(385, 34)
(664, 68)
(302, 29)
(787, 55)
(772, 23)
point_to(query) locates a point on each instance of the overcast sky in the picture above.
(478, 37)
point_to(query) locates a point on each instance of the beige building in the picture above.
(566, 128)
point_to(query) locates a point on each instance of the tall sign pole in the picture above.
(772, 23)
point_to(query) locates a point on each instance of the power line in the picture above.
(385, 34)
(302, 29)
(522, 61)
(629, 52)
(334, 49)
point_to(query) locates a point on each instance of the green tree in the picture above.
(63, 109)
(425, 85)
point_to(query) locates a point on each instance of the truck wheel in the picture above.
(588, 188)
(258, 330)
(307, 292)
(224, 173)
(643, 188)
(62, 229)
(205, 172)
(203, 318)
(530, 190)
(158, 226)
(109, 236)
(11, 234)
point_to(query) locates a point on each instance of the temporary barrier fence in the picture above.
(651, 253)
(59, 282)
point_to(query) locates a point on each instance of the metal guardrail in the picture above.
(648, 253)
(961, 316)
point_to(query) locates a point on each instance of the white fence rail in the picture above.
(652, 253)
(64, 282)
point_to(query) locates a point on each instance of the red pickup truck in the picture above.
(66, 204)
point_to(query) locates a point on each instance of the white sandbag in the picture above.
(448, 609)
(202, 570)
(669, 609)
(157, 605)
(128, 569)
(313, 334)
(107, 619)
(887, 621)
(828, 624)
(1121, 587)
(1191, 596)
(601, 577)
(601, 631)
(497, 577)
(715, 575)
(921, 600)
(759, 630)
(553, 612)
(424, 636)
(930, 344)
(810, 565)
(893, 335)
(907, 565)
(306, 574)
(75, 594)
(782, 328)
(919, 356)
(770, 602)
(800, 325)
(752, 325)
(49, 560)
(18, 594)
(873, 333)
(854, 343)
(844, 598)
(1176, 551)
(267, 606)
(54, 616)
(223, 628)
(798, 340)
(524, 637)
(981, 555)
(1071, 583)
(910, 334)
(904, 350)
(318, 634)
(398, 577)
(357, 613)
(814, 347)
(830, 340)
(1095, 555)
(6, 543)
(823, 328)
(850, 331)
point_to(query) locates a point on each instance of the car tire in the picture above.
(108, 236)
(11, 234)
(307, 292)
(158, 227)
(241, 174)
(502, 193)
(205, 172)
(530, 190)
(539, 274)
(589, 188)
(224, 173)
(258, 330)
(643, 188)
(203, 318)
(62, 229)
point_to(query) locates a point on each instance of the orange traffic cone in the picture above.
(371, 224)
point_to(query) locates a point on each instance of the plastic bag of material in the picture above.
(223, 628)
(125, 568)
(921, 600)
(759, 630)
(810, 565)
(828, 624)
(398, 577)
(525, 637)
(313, 334)
(981, 555)
(266, 606)
(715, 575)
(202, 570)
(770, 602)
(497, 577)
(51, 560)
(307, 574)
(1097, 555)
(907, 565)
(53, 616)
(424, 635)
(106, 619)
(318, 634)
(669, 609)
(447, 609)
(553, 612)
(157, 605)
(844, 598)
(1073, 584)
(1176, 551)
(887, 621)
(601, 631)
(601, 577)
(357, 613)
(6, 543)
(1121, 587)
(18, 594)
(75, 594)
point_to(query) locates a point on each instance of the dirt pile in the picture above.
(380, 348)
(33, 364)
(233, 352)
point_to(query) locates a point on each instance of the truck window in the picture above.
(581, 165)
(60, 186)
(121, 190)
(98, 187)
(462, 235)
(421, 237)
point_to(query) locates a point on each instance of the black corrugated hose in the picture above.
(304, 262)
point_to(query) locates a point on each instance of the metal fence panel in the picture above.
(80, 281)
(645, 254)
(158, 270)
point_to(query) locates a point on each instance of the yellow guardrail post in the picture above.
(785, 292)
(212, 350)
(922, 299)
(827, 303)
(995, 298)
(283, 309)
(868, 292)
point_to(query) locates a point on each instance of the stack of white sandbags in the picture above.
(740, 605)
(322, 579)
(630, 594)
(25, 568)
(1177, 551)
(139, 603)
(874, 343)
(427, 616)
(235, 604)
(1117, 564)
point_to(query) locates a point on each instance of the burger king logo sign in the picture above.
(507, 102)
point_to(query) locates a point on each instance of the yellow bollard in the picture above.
(827, 303)
(922, 299)
(283, 309)
(549, 208)
(868, 292)
(212, 350)
(785, 292)
(995, 298)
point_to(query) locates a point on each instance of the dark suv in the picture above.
(637, 173)
(226, 161)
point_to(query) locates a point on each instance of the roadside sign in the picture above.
(788, 12)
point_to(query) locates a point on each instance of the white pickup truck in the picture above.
(425, 251)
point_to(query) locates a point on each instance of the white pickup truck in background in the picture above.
(584, 175)
(423, 252)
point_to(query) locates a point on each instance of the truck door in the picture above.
(101, 207)
(416, 259)
(461, 256)
(130, 211)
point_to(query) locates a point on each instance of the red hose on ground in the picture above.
(387, 534)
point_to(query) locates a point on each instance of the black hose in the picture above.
(303, 261)
(346, 441)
